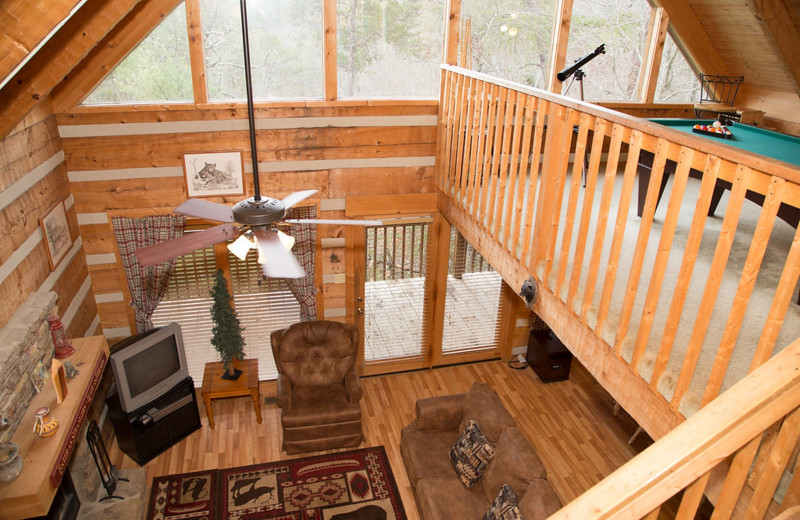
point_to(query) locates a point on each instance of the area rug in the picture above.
(352, 485)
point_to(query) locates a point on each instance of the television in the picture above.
(148, 365)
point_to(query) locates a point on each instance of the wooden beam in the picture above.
(452, 23)
(27, 25)
(783, 34)
(659, 21)
(330, 67)
(58, 57)
(558, 52)
(194, 27)
(124, 34)
(693, 38)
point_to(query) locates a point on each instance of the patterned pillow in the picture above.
(504, 506)
(471, 454)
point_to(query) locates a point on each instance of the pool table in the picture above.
(778, 146)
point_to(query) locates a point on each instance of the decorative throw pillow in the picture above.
(471, 454)
(504, 506)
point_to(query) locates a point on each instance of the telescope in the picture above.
(580, 62)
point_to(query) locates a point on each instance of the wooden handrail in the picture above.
(698, 445)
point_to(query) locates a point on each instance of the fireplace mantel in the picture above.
(45, 459)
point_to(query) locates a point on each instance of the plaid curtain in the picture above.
(147, 284)
(305, 247)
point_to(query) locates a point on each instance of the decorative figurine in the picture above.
(44, 426)
(10, 461)
(64, 348)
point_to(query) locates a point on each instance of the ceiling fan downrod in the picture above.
(250, 111)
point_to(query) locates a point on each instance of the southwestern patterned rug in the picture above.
(352, 485)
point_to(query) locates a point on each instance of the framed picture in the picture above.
(213, 174)
(38, 377)
(59, 377)
(56, 234)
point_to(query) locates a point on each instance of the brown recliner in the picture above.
(318, 386)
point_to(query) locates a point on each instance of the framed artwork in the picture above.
(213, 174)
(56, 234)
(59, 377)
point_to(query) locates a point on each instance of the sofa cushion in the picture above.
(484, 406)
(504, 506)
(416, 446)
(470, 454)
(448, 499)
(515, 463)
(540, 500)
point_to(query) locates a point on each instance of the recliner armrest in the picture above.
(439, 413)
(283, 392)
(352, 386)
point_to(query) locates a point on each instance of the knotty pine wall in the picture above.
(129, 162)
(33, 178)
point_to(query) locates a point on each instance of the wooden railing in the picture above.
(666, 309)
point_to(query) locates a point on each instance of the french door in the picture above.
(422, 296)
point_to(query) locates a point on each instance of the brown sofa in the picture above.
(425, 446)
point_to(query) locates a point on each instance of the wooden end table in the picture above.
(214, 387)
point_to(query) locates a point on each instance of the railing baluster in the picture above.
(542, 108)
(501, 174)
(524, 181)
(691, 498)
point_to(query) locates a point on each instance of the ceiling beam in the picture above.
(782, 34)
(112, 49)
(694, 39)
(27, 25)
(57, 57)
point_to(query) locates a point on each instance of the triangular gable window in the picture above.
(158, 70)
(677, 81)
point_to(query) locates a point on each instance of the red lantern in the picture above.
(64, 348)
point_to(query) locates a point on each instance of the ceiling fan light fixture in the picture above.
(286, 240)
(241, 246)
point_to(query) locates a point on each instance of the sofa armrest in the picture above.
(439, 413)
(352, 386)
(283, 392)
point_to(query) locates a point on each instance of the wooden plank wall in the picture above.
(129, 161)
(33, 180)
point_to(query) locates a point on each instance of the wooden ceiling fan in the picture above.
(258, 217)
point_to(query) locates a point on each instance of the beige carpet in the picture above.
(757, 310)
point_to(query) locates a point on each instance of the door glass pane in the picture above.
(472, 300)
(394, 290)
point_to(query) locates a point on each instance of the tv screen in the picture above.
(148, 365)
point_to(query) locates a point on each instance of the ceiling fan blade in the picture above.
(158, 253)
(206, 209)
(278, 262)
(296, 197)
(341, 222)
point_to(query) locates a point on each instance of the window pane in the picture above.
(389, 48)
(156, 71)
(622, 25)
(511, 38)
(677, 82)
(285, 49)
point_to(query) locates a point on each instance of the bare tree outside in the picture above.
(677, 81)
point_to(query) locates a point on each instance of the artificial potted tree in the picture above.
(226, 336)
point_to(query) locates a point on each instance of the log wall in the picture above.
(35, 179)
(129, 161)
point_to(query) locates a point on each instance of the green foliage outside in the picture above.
(226, 336)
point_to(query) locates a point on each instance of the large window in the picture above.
(511, 38)
(157, 70)
(262, 305)
(623, 26)
(677, 82)
(285, 49)
(389, 48)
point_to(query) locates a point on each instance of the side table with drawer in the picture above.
(548, 357)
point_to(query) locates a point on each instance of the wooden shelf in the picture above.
(46, 458)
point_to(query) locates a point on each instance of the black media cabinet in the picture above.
(152, 429)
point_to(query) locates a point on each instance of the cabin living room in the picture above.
(480, 244)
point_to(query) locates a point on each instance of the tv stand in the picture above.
(149, 431)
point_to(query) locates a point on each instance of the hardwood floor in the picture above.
(570, 423)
